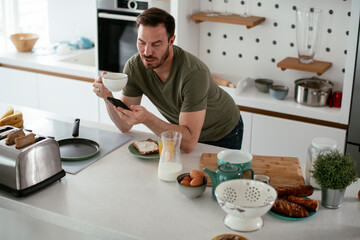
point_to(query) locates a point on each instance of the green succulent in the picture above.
(334, 170)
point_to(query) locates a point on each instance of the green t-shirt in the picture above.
(188, 88)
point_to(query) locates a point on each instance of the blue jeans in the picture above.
(233, 140)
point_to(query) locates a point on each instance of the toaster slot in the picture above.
(5, 134)
(5, 129)
(38, 139)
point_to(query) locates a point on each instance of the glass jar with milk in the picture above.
(170, 165)
(319, 145)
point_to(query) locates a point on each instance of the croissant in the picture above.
(290, 209)
(310, 204)
(298, 191)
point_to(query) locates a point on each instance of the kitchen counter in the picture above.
(249, 97)
(79, 63)
(252, 98)
(121, 197)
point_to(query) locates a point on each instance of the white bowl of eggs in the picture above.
(115, 82)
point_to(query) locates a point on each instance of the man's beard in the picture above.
(162, 60)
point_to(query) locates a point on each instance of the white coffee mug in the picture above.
(115, 82)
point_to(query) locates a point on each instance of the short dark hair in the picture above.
(155, 16)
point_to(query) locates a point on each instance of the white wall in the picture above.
(71, 18)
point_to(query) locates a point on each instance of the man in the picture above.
(178, 84)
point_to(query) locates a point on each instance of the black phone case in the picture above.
(118, 103)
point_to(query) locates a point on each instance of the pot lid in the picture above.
(314, 82)
(228, 168)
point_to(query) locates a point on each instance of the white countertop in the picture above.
(52, 62)
(249, 97)
(121, 197)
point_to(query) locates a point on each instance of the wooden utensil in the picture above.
(283, 171)
(223, 82)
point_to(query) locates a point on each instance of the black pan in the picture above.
(77, 149)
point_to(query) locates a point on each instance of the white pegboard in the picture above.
(263, 46)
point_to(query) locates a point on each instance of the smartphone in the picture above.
(118, 103)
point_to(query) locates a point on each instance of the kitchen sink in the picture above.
(83, 57)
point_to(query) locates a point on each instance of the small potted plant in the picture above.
(334, 171)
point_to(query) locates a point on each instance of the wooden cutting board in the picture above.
(283, 171)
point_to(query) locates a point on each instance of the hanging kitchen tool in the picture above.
(77, 149)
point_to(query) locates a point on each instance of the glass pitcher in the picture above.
(170, 165)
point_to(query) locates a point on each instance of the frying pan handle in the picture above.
(76, 128)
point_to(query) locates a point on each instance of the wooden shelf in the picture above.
(318, 67)
(249, 22)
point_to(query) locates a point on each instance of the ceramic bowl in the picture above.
(263, 85)
(279, 91)
(188, 191)
(245, 201)
(115, 81)
(239, 158)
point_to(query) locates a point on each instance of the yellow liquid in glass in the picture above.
(160, 148)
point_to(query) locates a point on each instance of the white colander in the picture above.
(245, 201)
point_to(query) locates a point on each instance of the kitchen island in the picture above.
(120, 197)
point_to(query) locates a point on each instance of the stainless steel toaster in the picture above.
(23, 171)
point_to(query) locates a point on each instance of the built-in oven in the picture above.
(117, 34)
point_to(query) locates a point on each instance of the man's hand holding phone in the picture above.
(118, 103)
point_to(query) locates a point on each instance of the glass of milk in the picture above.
(170, 165)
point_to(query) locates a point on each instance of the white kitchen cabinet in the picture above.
(282, 137)
(67, 97)
(18, 87)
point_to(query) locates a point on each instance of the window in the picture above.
(23, 16)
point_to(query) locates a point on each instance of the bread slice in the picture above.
(147, 146)
(10, 139)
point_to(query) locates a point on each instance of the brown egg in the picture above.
(197, 181)
(185, 182)
(196, 173)
(187, 178)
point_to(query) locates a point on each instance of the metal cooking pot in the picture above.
(313, 91)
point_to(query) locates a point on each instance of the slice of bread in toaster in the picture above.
(10, 139)
(25, 141)
(147, 146)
